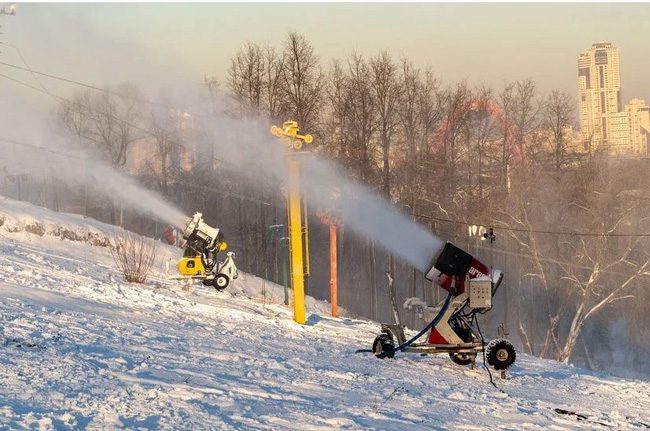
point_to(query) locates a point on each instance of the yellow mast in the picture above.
(293, 142)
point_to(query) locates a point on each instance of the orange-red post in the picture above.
(333, 271)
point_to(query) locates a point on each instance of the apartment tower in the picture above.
(602, 124)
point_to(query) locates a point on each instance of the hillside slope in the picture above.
(82, 350)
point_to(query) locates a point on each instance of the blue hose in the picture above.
(433, 323)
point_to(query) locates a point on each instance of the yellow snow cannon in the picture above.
(191, 266)
(199, 261)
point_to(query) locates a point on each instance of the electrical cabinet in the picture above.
(480, 293)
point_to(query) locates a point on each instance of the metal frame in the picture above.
(397, 331)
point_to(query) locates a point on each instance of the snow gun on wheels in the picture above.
(199, 261)
(453, 326)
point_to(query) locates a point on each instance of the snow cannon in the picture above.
(199, 261)
(201, 237)
(453, 326)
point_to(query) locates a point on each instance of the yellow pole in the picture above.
(305, 231)
(333, 271)
(293, 141)
(295, 235)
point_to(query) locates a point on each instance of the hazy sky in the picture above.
(175, 45)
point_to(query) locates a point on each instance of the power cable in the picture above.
(93, 87)
(38, 147)
(548, 232)
(217, 190)
(484, 360)
(27, 68)
(22, 58)
(185, 183)
(60, 100)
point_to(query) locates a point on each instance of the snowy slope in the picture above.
(80, 349)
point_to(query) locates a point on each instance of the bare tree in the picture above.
(134, 256)
(386, 91)
(274, 100)
(361, 117)
(526, 116)
(303, 81)
(506, 99)
(558, 122)
(105, 121)
(456, 101)
(164, 137)
(338, 141)
(246, 77)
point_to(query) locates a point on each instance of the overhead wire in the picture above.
(94, 87)
(60, 100)
(184, 183)
(38, 147)
(546, 232)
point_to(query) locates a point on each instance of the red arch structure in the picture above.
(507, 126)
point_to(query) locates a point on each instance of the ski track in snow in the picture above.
(82, 350)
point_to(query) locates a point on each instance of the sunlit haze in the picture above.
(160, 46)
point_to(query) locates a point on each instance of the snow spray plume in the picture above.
(366, 213)
(125, 190)
(248, 145)
(76, 168)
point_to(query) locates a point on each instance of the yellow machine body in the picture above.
(191, 266)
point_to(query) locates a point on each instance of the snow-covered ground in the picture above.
(82, 350)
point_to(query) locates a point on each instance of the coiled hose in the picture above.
(434, 322)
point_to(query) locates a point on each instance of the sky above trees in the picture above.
(165, 46)
(482, 42)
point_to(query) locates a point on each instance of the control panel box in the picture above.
(480, 292)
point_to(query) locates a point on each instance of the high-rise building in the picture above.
(599, 99)
(638, 122)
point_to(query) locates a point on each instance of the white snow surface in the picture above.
(82, 350)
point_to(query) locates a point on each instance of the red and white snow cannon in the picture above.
(453, 326)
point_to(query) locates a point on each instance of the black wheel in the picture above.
(383, 343)
(220, 282)
(206, 282)
(462, 358)
(500, 354)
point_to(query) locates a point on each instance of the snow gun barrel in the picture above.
(455, 263)
(452, 261)
(202, 237)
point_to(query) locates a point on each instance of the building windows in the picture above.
(584, 71)
(602, 77)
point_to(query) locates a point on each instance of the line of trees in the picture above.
(449, 155)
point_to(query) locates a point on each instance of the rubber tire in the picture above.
(500, 354)
(383, 343)
(207, 282)
(457, 358)
(220, 282)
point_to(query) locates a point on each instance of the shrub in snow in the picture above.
(134, 255)
(35, 228)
